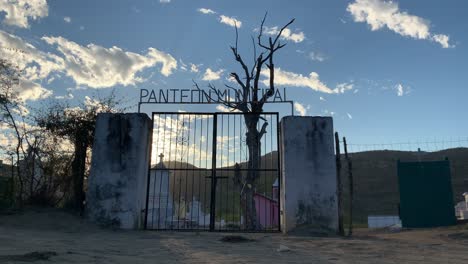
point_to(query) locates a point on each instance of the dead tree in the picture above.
(251, 104)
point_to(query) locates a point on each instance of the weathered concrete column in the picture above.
(309, 186)
(119, 170)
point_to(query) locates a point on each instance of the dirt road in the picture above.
(51, 236)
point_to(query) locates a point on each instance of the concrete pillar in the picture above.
(116, 193)
(309, 186)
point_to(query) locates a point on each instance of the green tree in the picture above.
(77, 125)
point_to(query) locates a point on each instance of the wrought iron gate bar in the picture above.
(188, 191)
(219, 169)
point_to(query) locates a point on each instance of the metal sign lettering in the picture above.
(196, 96)
(200, 96)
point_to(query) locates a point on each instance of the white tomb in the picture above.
(196, 213)
(461, 209)
(381, 221)
(160, 204)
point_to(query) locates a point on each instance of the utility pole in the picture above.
(338, 182)
(351, 187)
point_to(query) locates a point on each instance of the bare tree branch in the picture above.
(240, 60)
(281, 31)
(254, 56)
(261, 32)
(263, 130)
(241, 106)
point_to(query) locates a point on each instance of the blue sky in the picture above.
(386, 71)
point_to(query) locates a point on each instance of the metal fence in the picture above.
(374, 182)
(198, 164)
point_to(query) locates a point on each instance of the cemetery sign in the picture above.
(200, 96)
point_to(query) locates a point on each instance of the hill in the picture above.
(376, 180)
(374, 172)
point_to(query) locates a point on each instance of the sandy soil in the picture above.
(51, 236)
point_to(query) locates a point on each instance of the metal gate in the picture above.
(198, 171)
(426, 197)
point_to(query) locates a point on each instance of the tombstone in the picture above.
(461, 209)
(196, 213)
(160, 204)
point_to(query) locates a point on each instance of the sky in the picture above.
(387, 71)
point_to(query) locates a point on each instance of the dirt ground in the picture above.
(51, 236)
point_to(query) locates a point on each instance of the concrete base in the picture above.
(309, 201)
(119, 170)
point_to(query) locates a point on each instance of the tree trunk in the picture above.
(18, 174)
(33, 167)
(78, 172)
(253, 145)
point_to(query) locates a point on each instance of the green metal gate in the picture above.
(426, 198)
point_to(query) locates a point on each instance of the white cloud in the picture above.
(67, 19)
(442, 40)
(402, 90)
(298, 80)
(349, 115)
(19, 12)
(293, 79)
(91, 102)
(99, 67)
(82, 27)
(381, 13)
(343, 87)
(230, 21)
(301, 109)
(164, 1)
(69, 95)
(92, 65)
(34, 64)
(183, 66)
(194, 67)
(317, 56)
(7, 138)
(211, 75)
(231, 79)
(206, 11)
(223, 108)
(286, 34)
(32, 91)
(322, 99)
(399, 89)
